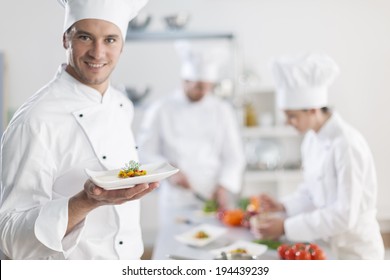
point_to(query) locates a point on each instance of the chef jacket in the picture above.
(201, 138)
(63, 129)
(337, 199)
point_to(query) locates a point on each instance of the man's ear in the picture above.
(65, 41)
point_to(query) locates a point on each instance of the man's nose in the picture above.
(97, 50)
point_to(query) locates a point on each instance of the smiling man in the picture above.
(49, 208)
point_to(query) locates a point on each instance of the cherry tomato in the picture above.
(299, 247)
(318, 254)
(289, 254)
(282, 250)
(302, 255)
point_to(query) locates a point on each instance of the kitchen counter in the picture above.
(184, 219)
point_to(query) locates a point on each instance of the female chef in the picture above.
(337, 200)
(49, 208)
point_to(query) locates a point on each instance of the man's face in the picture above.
(301, 120)
(196, 90)
(93, 47)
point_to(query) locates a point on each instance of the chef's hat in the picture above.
(200, 64)
(302, 81)
(119, 12)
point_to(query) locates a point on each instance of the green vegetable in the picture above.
(243, 203)
(131, 166)
(271, 244)
(210, 206)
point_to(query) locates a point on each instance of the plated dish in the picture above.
(201, 235)
(109, 179)
(242, 247)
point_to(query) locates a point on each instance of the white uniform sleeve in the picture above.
(342, 214)
(32, 225)
(232, 157)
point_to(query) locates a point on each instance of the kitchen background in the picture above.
(354, 32)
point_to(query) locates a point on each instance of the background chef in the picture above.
(337, 199)
(196, 131)
(49, 210)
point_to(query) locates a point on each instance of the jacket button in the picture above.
(120, 242)
(121, 105)
(136, 147)
(104, 157)
(81, 115)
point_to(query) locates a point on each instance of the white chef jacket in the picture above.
(63, 129)
(337, 200)
(201, 138)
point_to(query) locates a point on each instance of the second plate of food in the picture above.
(201, 235)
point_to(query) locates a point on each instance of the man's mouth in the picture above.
(95, 65)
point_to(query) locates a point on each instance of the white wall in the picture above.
(355, 32)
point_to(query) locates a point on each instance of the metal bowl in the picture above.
(140, 22)
(177, 21)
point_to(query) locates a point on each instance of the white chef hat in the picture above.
(302, 81)
(119, 12)
(200, 64)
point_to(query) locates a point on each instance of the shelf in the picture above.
(273, 131)
(270, 175)
(175, 35)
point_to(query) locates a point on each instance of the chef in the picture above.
(195, 131)
(49, 208)
(337, 200)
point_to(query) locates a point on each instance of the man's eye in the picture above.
(111, 40)
(84, 38)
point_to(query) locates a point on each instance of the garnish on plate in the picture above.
(131, 169)
(201, 235)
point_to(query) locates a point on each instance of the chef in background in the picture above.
(337, 200)
(195, 131)
(49, 207)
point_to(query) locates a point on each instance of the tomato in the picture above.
(302, 255)
(289, 254)
(312, 247)
(318, 254)
(299, 247)
(233, 217)
(282, 250)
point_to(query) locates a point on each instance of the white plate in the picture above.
(251, 248)
(189, 238)
(109, 179)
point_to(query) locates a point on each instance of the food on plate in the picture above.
(210, 206)
(301, 251)
(201, 234)
(239, 251)
(233, 217)
(131, 169)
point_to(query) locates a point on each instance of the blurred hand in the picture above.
(180, 179)
(266, 227)
(221, 197)
(269, 204)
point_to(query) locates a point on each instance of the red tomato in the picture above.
(299, 247)
(312, 247)
(289, 254)
(302, 255)
(317, 254)
(282, 250)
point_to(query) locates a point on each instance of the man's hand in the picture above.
(93, 196)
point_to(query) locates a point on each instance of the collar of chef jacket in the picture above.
(329, 130)
(80, 88)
